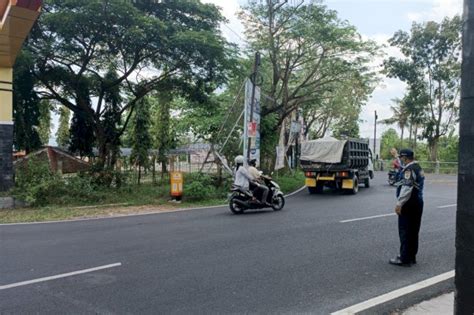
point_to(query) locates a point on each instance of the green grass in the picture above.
(146, 197)
(290, 182)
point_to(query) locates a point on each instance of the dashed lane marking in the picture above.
(63, 275)
(368, 218)
(448, 206)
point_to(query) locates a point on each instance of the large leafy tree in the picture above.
(81, 133)
(141, 138)
(62, 134)
(162, 128)
(44, 130)
(309, 54)
(307, 48)
(431, 68)
(76, 43)
(26, 105)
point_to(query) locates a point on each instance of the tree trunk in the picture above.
(139, 173)
(102, 147)
(153, 168)
(433, 145)
(410, 138)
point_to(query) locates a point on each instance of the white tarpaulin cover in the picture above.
(325, 150)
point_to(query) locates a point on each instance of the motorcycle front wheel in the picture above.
(235, 207)
(278, 203)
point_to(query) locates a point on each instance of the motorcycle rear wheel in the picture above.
(235, 207)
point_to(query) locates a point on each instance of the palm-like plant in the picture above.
(401, 115)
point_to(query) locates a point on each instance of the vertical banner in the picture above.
(252, 128)
(281, 149)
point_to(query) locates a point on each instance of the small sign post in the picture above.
(176, 185)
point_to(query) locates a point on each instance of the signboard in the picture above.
(252, 128)
(280, 157)
(176, 183)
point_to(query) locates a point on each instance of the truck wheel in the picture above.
(355, 189)
(367, 183)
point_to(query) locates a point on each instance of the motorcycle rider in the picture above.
(257, 182)
(242, 176)
(396, 163)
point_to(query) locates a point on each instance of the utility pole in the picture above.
(464, 279)
(252, 101)
(375, 134)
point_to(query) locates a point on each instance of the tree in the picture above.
(141, 139)
(44, 129)
(390, 139)
(400, 116)
(82, 137)
(307, 51)
(26, 105)
(111, 121)
(75, 44)
(162, 126)
(431, 68)
(62, 134)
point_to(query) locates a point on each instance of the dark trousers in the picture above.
(408, 229)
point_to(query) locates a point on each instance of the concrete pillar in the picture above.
(464, 279)
(6, 129)
(17, 17)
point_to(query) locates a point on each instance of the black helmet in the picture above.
(407, 152)
(253, 162)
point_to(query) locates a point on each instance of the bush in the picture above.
(198, 186)
(35, 182)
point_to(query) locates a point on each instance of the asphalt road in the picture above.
(209, 261)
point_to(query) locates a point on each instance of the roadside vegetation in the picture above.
(54, 197)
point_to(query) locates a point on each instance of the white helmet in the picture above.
(239, 159)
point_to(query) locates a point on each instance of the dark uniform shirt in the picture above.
(411, 184)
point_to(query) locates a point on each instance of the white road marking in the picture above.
(63, 275)
(395, 294)
(295, 192)
(388, 215)
(448, 206)
(368, 218)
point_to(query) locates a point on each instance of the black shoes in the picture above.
(413, 262)
(398, 262)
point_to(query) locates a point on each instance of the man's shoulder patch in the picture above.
(407, 174)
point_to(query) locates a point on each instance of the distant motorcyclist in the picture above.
(394, 174)
(396, 162)
(257, 182)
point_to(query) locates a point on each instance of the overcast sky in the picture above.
(375, 19)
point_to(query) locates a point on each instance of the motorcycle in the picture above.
(392, 177)
(241, 199)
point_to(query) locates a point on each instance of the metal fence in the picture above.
(430, 167)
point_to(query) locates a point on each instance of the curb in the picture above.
(395, 302)
(398, 305)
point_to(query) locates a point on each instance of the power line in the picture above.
(235, 33)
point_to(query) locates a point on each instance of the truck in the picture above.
(338, 164)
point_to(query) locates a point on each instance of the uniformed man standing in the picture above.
(409, 209)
